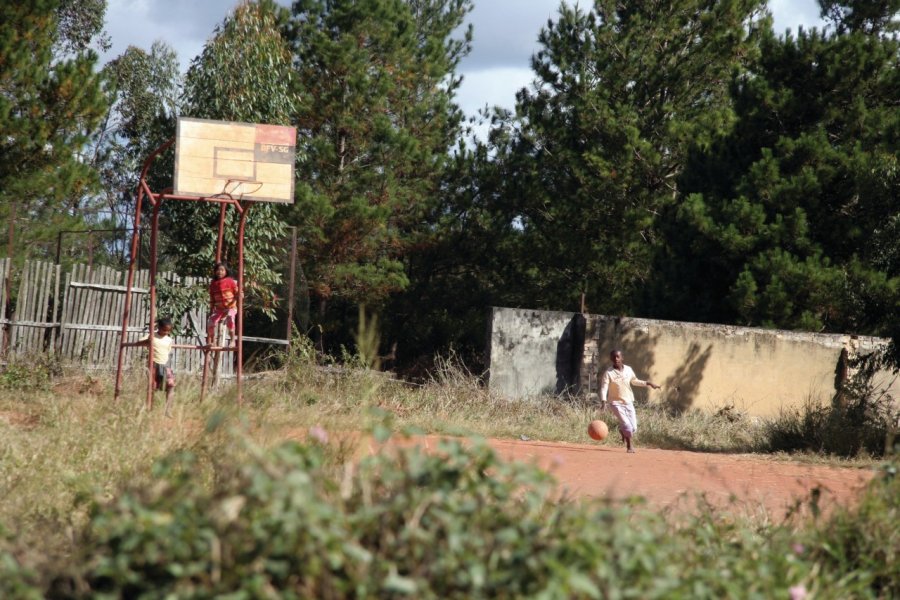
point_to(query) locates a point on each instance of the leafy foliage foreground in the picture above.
(300, 521)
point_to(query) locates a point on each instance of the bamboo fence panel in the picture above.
(4, 271)
(56, 309)
(4, 294)
(29, 329)
(64, 316)
(15, 333)
(21, 304)
(79, 305)
(107, 345)
(44, 305)
(78, 315)
(137, 322)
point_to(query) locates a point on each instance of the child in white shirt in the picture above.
(615, 390)
(161, 349)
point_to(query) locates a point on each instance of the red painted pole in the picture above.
(220, 241)
(154, 230)
(239, 349)
(126, 313)
(290, 306)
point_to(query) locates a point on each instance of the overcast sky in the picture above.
(505, 36)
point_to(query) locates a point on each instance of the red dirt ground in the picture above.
(672, 479)
(667, 479)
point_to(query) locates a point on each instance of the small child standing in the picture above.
(223, 291)
(161, 349)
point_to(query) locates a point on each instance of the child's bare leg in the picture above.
(170, 392)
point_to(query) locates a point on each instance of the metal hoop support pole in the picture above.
(239, 349)
(154, 230)
(135, 236)
(220, 241)
(224, 200)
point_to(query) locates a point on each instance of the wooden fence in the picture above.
(77, 317)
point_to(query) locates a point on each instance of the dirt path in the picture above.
(672, 479)
(666, 479)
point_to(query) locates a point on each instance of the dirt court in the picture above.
(668, 480)
(672, 479)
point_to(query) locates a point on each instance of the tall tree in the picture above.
(46, 108)
(145, 91)
(596, 146)
(790, 219)
(80, 26)
(243, 74)
(871, 17)
(376, 122)
(466, 261)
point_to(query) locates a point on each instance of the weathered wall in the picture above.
(534, 352)
(698, 365)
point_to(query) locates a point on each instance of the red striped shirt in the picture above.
(223, 293)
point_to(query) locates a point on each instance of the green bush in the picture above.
(16, 581)
(454, 523)
(862, 423)
(863, 543)
(28, 374)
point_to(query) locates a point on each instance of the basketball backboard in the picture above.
(248, 161)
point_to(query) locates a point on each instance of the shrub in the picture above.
(862, 423)
(280, 525)
(15, 580)
(28, 374)
(455, 523)
(864, 543)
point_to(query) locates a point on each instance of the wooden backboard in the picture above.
(249, 161)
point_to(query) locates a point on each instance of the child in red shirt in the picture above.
(223, 291)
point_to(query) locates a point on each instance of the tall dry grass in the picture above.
(68, 443)
(64, 440)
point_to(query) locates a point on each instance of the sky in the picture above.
(505, 36)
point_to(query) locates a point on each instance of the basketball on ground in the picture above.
(598, 430)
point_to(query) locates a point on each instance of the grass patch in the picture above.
(105, 496)
(454, 402)
(224, 515)
(864, 424)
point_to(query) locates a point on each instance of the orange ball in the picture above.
(598, 430)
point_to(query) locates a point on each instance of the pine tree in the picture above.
(376, 122)
(595, 149)
(47, 108)
(790, 219)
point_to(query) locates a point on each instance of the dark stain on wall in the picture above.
(569, 353)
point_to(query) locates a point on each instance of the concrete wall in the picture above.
(534, 352)
(698, 365)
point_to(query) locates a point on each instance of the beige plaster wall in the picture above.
(710, 366)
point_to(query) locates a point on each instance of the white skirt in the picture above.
(627, 417)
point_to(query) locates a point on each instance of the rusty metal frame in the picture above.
(155, 201)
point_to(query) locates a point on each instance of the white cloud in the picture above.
(505, 32)
(790, 14)
(492, 87)
(185, 25)
(505, 36)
